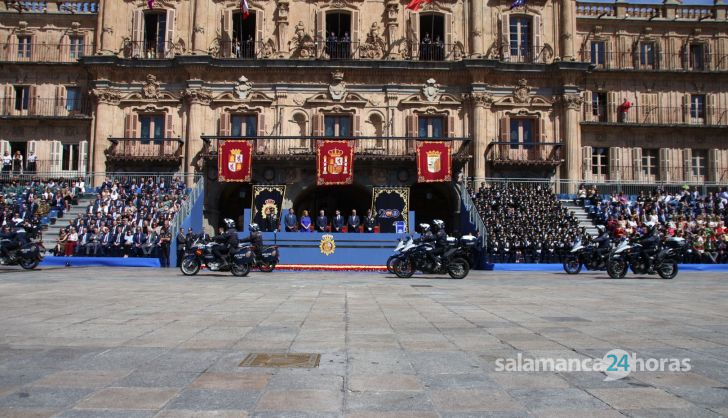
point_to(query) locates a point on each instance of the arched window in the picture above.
(300, 128)
(375, 119)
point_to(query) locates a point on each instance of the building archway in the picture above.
(330, 198)
(234, 199)
(435, 201)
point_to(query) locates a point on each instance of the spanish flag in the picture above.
(414, 5)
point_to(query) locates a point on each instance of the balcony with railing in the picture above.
(638, 61)
(145, 149)
(150, 49)
(44, 53)
(524, 154)
(367, 148)
(525, 54)
(65, 7)
(667, 11)
(656, 115)
(32, 107)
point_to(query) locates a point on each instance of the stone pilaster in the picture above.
(107, 102)
(198, 102)
(568, 29)
(477, 29)
(572, 141)
(199, 38)
(392, 26)
(481, 105)
(107, 30)
(281, 19)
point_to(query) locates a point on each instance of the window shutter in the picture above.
(588, 106)
(706, 55)
(261, 124)
(710, 114)
(612, 104)
(224, 124)
(537, 46)
(713, 171)
(615, 163)
(4, 146)
(13, 49)
(317, 124)
(608, 60)
(227, 33)
(130, 126)
(451, 122)
(686, 108)
(169, 127)
(169, 47)
(586, 162)
(665, 164)
(414, 34)
(60, 105)
(259, 22)
(505, 129)
(320, 32)
(658, 54)
(685, 54)
(636, 55)
(687, 155)
(542, 131)
(137, 34)
(6, 106)
(65, 49)
(637, 164)
(56, 157)
(448, 36)
(31, 147)
(411, 126)
(82, 156)
(354, 33)
(356, 121)
(506, 35)
(33, 100)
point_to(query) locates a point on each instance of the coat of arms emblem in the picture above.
(235, 160)
(327, 245)
(434, 161)
(335, 162)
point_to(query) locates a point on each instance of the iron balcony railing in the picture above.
(520, 153)
(44, 107)
(435, 50)
(145, 148)
(148, 49)
(638, 61)
(656, 115)
(67, 7)
(525, 54)
(665, 11)
(296, 146)
(248, 49)
(44, 53)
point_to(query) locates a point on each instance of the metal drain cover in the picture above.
(565, 319)
(298, 360)
(420, 285)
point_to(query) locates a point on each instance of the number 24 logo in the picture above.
(618, 362)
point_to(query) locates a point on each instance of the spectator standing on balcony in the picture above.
(248, 51)
(236, 48)
(438, 47)
(345, 43)
(290, 221)
(306, 225)
(322, 221)
(623, 109)
(7, 162)
(18, 163)
(32, 159)
(425, 47)
(331, 42)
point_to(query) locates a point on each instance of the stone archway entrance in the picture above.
(435, 201)
(233, 200)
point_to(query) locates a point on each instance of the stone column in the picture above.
(481, 104)
(282, 23)
(477, 29)
(199, 39)
(198, 101)
(568, 29)
(106, 46)
(392, 7)
(572, 140)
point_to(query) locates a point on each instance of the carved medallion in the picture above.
(337, 88)
(243, 88)
(431, 90)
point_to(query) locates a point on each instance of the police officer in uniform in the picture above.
(369, 222)
(255, 238)
(181, 245)
(228, 241)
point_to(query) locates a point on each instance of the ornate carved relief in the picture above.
(243, 88)
(337, 88)
(302, 44)
(150, 90)
(200, 96)
(482, 99)
(521, 92)
(431, 90)
(572, 101)
(374, 46)
(106, 96)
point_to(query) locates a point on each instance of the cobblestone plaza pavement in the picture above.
(151, 343)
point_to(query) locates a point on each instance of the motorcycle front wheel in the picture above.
(667, 270)
(240, 270)
(404, 268)
(190, 266)
(617, 269)
(390, 263)
(29, 263)
(572, 265)
(458, 268)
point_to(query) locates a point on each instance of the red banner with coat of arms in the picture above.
(234, 160)
(433, 161)
(334, 162)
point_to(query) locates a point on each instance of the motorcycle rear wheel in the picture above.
(572, 265)
(458, 268)
(29, 264)
(390, 263)
(617, 269)
(240, 270)
(667, 271)
(404, 268)
(190, 266)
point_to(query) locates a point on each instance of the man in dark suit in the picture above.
(139, 240)
(270, 221)
(106, 241)
(181, 245)
(337, 223)
(369, 222)
(322, 221)
(117, 244)
(291, 221)
(93, 243)
(83, 239)
(354, 221)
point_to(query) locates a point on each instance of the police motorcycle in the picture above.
(265, 261)
(419, 257)
(203, 251)
(587, 256)
(401, 243)
(24, 247)
(628, 254)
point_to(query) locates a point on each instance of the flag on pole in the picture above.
(414, 5)
(150, 3)
(245, 8)
(518, 3)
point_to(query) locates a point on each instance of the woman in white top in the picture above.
(7, 162)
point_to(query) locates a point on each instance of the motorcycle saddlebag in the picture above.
(243, 256)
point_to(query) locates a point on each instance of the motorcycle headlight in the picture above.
(198, 252)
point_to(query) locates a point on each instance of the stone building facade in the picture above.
(535, 91)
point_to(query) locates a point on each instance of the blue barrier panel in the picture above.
(560, 268)
(100, 262)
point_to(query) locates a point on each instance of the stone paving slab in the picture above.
(153, 343)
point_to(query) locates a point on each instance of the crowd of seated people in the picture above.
(699, 218)
(526, 223)
(128, 218)
(29, 201)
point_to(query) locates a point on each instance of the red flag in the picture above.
(234, 160)
(414, 5)
(334, 162)
(433, 161)
(245, 8)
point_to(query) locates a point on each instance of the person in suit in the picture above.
(270, 221)
(354, 221)
(306, 225)
(181, 245)
(83, 238)
(291, 221)
(150, 246)
(117, 245)
(165, 239)
(369, 222)
(322, 222)
(106, 240)
(139, 240)
(337, 224)
(93, 243)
